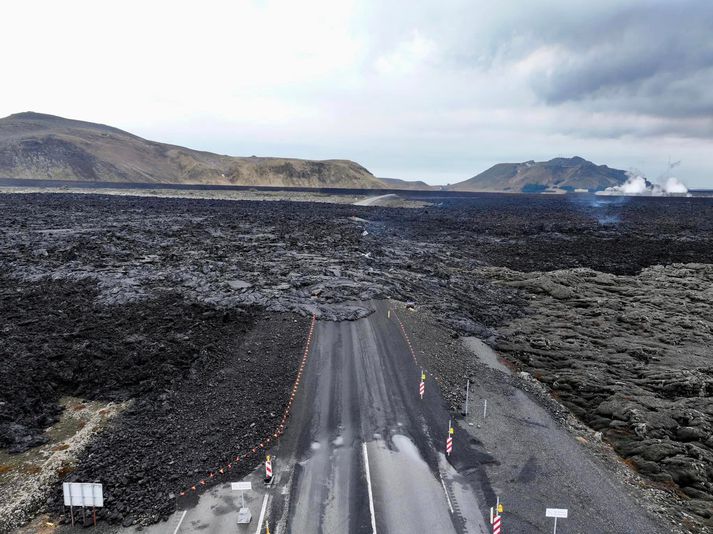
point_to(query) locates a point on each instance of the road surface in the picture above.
(371, 201)
(358, 406)
(363, 453)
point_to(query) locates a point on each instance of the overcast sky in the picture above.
(436, 90)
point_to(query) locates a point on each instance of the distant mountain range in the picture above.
(35, 146)
(559, 174)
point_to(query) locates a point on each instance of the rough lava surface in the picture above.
(168, 301)
(631, 357)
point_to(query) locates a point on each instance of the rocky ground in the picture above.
(27, 478)
(207, 385)
(158, 341)
(232, 399)
(631, 357)
(160, 299)
(207, 194)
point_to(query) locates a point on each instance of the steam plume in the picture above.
(638, 185)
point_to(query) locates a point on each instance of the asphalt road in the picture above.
(372, 201)
(358, 406)
(363, 453)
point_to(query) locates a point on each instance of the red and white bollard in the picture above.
(449, 439)
(268, 469)
(422, 385)
(496, 520)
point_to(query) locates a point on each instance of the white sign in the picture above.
(556, 512)
(83, 494)
(240, 486)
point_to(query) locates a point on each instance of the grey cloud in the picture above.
(621, 127)
(651, 57)
(654, 58)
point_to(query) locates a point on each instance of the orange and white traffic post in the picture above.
(422, 385)
(449, 439)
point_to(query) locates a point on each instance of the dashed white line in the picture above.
(368, 483)
(262, 515)
(183, 515)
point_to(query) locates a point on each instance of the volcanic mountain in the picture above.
(46, 147)
(564, 174)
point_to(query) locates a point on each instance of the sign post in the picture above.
(467, 388)
(556, 512)
(495, 518)
(71, 507)
(244, 515)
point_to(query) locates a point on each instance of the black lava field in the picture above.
(198, 310)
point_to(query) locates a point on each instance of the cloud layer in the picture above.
(436, 90)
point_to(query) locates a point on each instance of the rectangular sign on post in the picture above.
(556, 512)
(83, 494)
(240, 486)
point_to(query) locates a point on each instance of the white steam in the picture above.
(674, 185)
(637, 185)
(634, 185)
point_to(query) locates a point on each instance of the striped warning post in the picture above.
(422, 388)
(496, 524)
(268, 468)
(449, 439)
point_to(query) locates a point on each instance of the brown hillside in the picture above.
(37, 146)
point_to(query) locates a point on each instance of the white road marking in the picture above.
(368, 483)
(448, 498)
(183, 515)
(262, 515)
